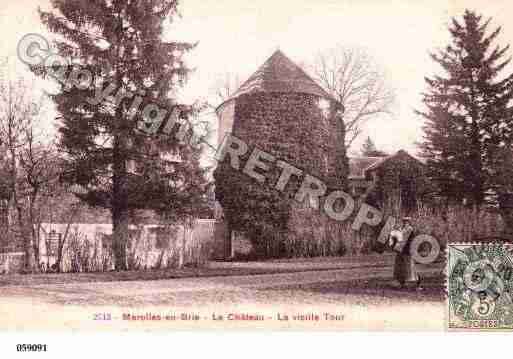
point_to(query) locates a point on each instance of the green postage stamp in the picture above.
(480, 286)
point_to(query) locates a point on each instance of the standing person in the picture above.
(405, 270)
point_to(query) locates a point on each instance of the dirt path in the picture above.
(212, 269)
(365, 296)
(50, 292)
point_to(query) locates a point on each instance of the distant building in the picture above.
(398, 179)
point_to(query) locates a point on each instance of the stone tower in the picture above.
(278, 77)
(281, 111)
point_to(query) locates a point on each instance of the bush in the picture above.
(80, 253)
(458, 224)
(312, 234)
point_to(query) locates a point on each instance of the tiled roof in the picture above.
(280, 74)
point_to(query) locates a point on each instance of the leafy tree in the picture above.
(467, 110)
(369, 149)
(120, 43)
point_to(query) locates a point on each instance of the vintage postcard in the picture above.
(311, 165)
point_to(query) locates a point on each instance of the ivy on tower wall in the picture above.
(291, 127)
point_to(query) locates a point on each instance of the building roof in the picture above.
(358, 166)
(280, 74)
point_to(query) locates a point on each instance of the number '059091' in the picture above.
(31, 347)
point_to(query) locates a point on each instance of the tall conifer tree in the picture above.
(467, 110)
(121, 43)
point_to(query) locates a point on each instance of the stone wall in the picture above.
(87, 246)
(149, 246)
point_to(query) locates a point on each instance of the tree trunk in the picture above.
(120, 222)
(28, 261)
(338, 163)
(4, 223)
(34, 233)
(28, 264)
(58, 260)
(62, 240)
(228, 248)
(119, 209)
(181, 254)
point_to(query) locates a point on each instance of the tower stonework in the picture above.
(282, 111)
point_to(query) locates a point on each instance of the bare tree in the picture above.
(16, 111)
(39, 174)
(352, 77)
(31, 169)
(5, 197)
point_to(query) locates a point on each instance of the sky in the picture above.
(237, 36)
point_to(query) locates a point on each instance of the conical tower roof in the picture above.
(280, 74)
